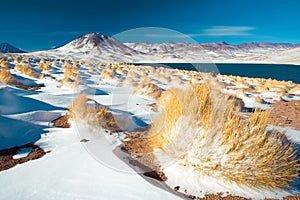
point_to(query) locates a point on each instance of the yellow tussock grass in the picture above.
(133, 74)
(6, 77)
(93, 114)
(147, 88)
(70, 78)
(200, 128)
(128, 82)
(4, 64)
(27, 70)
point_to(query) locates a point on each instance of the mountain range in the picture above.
(102, 48)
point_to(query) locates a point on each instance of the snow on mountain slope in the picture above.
(102, 48)
(92, 41)
(210, 52)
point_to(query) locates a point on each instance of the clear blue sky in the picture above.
(36, 24)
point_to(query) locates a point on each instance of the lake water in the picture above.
(274, 71)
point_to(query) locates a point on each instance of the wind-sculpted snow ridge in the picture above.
(198, 133)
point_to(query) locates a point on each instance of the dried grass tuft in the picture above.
(27, 70)
(71, 77)
(6, 77)
(93, 114)
(202, 129)
(146, 88)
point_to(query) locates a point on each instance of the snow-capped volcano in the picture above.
(96, 47)
(97, 41)
(8, 48)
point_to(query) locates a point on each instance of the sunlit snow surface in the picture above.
(71, 170)
(90, 170)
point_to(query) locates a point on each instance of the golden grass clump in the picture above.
(133, 74)
(66, 67)
(45, 68)
(17, 59)
(199, 128)
(176, 104)
(176, 80)
(40, 66)
(128, 81)
(295, 89)
(107, 75)
(93, 114)
(6, 77)
(27, 70)
(163, 78)
(240, 81)
(4, 64)
(240, 93)
(91, 69)
(196, 79)
(121, 70)
(70, 78)
(150, 70)
(100, 66)
(146, 88)
(261, 88)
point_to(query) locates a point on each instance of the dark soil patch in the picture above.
(220, 196)
(62, 122)
(29, 88)
(6, 156)
(285, 114)
(142, 155)
(292, 198)
(158, 175)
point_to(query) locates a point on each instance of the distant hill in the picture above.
(289, 56)
(8, 48)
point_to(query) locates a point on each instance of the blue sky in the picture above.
(34, 24)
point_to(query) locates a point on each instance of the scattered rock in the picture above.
(176, 188)
(192, 196)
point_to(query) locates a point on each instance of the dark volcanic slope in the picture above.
(8, 48)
